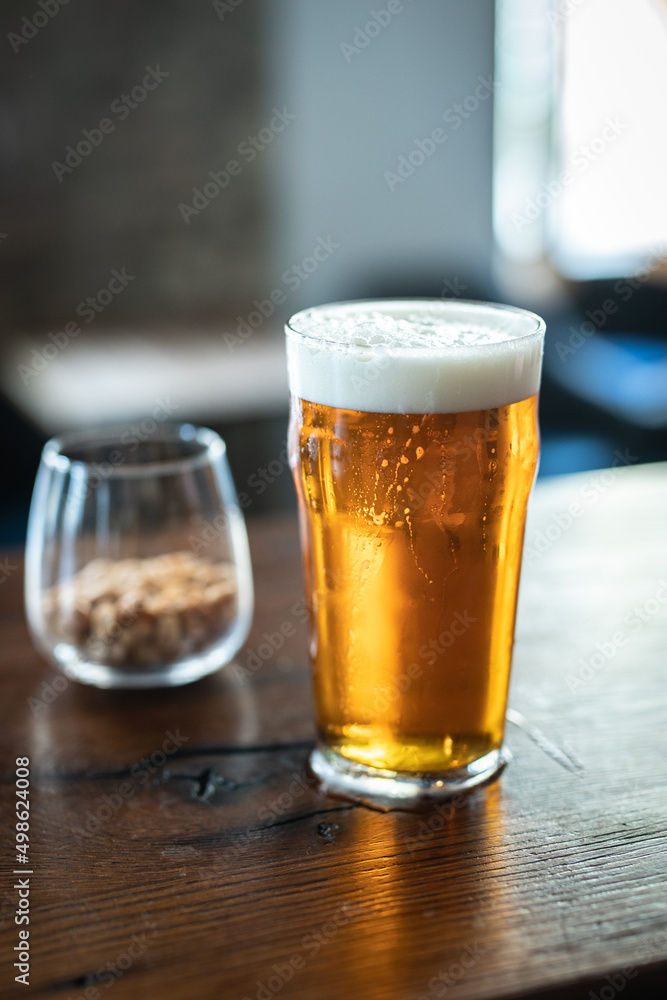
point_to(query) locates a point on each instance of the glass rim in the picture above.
(211, 444)
(483, 306)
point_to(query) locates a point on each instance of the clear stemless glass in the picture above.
(137, 565)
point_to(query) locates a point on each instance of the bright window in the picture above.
(613, 115)
(581, 133)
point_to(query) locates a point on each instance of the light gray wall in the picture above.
(357, 113)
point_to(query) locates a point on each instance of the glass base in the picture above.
(67, 659)
(384, 789)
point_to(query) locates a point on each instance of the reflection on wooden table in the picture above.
(179, 848)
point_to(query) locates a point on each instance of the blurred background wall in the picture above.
(407, 216)
(68, 226)
(179, 177)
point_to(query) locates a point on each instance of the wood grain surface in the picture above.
(179, 849)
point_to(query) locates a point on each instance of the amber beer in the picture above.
(412, 520)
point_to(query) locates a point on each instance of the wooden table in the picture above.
(178, 849)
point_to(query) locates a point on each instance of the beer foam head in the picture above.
(414, 355)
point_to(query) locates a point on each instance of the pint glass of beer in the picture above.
(414, 444)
